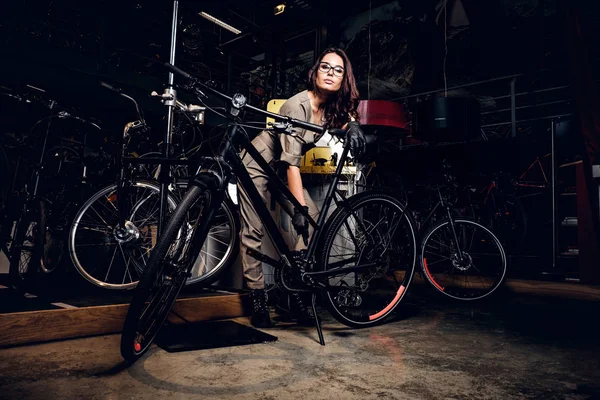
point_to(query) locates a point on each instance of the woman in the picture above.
(331, 100)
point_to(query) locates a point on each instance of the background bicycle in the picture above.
(48, 174)
(114, 231)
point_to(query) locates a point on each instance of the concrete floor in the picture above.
(512, 348)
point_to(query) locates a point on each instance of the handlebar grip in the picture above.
(177, 71)
(308, 126)
(109, 87)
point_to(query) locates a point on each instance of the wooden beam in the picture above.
(566, 290)
(41, 326)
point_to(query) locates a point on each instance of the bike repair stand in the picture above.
(197, 335)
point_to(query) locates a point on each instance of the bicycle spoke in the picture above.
(110, 265)
(95, 244)
(126, 260)
(111, 203)
(438, 261)
(99, 216)
(94, 230)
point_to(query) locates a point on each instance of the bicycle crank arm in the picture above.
(266, 259)
(333, 272)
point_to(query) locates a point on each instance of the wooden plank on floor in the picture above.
(41, 326)
(211, 308)
(566, 290)
(576, 291)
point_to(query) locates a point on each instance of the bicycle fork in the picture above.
(452, 226)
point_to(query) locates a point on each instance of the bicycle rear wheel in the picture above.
(372, 230)
(166, 272)
(482, 268)
(27, 248)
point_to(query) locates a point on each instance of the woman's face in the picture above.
(330, 73)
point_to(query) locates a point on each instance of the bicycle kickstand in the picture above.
(319, 330)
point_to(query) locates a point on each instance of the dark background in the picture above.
(398, 49)
(66, 47)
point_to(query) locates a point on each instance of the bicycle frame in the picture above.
(229, 158)
(444, 204)
(282, 193)
(234, 165)
(520, 182)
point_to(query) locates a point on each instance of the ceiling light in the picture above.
(220, 23)
(279, 9)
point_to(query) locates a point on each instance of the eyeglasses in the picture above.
(326, 67)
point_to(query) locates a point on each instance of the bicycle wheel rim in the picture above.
(376, 230)
(159, 285)
(27, 249)
(158, 307)
(482, 270)
(100, 233)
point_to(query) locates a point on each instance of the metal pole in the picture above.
(173, 39)
(513, 108)
(553, 196)
(229, 71)
(165, 169)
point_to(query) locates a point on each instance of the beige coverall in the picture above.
(285, 148)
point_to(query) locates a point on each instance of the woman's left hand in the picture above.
(356, 138)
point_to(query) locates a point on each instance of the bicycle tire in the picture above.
(161, 277)
(435, 264)
(78, 230)
(27, 248)
(383, 286)
(223, 242)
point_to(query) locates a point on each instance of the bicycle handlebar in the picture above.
(277, 117)
(109, 87)
(138, 110)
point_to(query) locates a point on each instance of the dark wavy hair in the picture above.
(338, 107)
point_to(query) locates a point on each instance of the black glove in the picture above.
(300, 223)
(356, 139)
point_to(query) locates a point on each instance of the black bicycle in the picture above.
(39, 200)
(361, 258)
(459, 256)
(114, 231)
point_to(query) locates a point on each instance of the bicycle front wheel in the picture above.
(465, 263)
(374, 233)
(165, 274)
(110, 256)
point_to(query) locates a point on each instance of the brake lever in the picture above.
(192, 86)
(282, 127)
